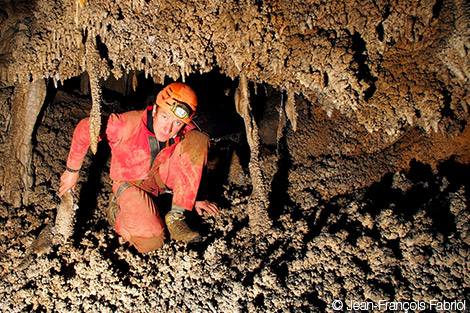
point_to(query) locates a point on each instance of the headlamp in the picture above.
(180, 109)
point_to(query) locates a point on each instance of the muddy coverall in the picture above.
(148, 167)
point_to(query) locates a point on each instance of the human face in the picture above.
(166, 125)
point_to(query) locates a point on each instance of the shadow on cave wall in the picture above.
(406, 193)
(421, 187)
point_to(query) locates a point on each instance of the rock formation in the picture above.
(340, 102)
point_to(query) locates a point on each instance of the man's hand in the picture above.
(205, 205)
(68, 180)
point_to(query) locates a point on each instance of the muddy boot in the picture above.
(178, 228)
(111, 210)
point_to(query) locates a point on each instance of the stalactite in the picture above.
(290, 108)
(258, 203)
(287, 110)
(93, 68)
(76, 17)
(282, 119)
(134, 81)
(28, 100)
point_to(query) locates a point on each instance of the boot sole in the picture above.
(195, 240)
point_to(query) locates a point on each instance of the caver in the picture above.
(154, 151)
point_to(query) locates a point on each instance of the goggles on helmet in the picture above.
(180, 109)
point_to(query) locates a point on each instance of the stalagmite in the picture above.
(64, 221)
(56, 234)
(258, 202)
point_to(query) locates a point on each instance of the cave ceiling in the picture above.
(387, 63)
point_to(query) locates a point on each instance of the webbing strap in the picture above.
(154, 173)
(139, 184)
(121, 189)
(155, 148)
(153, 142)
(150, 121)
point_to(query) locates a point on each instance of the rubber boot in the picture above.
(178, 228)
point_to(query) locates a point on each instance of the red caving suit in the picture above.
(133, 146)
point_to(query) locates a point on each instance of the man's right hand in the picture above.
(68, 180)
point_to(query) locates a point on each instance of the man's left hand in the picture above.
(205, 205)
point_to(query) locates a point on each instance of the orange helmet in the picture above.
(179, 99)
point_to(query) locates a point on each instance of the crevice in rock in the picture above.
(278, 196)
(103, 51)
(447, 110)
(380, 31)
(363, 72)
(437, 8)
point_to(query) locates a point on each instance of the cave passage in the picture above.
(339, 153)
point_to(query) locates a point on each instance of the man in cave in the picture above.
(154, 151)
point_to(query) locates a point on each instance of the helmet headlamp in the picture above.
(178, 99)
(180, 109)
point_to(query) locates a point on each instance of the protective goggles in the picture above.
(180, 109)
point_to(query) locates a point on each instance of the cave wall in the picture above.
(387, 66)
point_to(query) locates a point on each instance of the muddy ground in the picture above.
(348, 223)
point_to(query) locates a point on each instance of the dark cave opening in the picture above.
(216, 114)
(380, 31)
